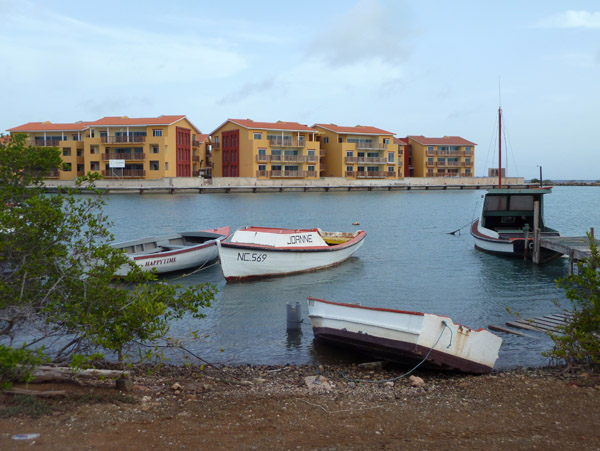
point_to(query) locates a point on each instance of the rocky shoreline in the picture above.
(280, 407)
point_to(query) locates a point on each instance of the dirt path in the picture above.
(272, 408)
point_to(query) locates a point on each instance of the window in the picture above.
(67, 167)
(467, 160)
(258, 136)
(340, 140)
(79, 152)
(390, 157)
(93, 150)
(262, 167)
(386, 140)
(166, 149)
(166, 166)
(468, 171)
(157, 132)
(262, 151)
(154, 166)
(310, 153)
(311, 168)
(430, 160)
(373, 154)
(349, 168)
(66, 152)
(326, 140)
(94, 165)
(276, 167)
(391, 169)
(349, 153)
(103, 134)
(154, 149)
(430, 148)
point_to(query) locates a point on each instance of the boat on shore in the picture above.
(405, 337)
(253, 252)
(511, 218)
(174, 252)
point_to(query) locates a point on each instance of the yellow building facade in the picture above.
(265, 150)
(359, 152)
(450, 156)
(123, 148)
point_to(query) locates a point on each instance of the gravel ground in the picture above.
(277, 407)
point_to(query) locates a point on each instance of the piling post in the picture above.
(536, 233)
(294, 315)
(526, 246)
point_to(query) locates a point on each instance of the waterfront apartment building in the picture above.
(450, 156)
(265, 150)
(124, 148)
(359, 152)
(404, 162)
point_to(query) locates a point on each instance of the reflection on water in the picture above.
(409, 261)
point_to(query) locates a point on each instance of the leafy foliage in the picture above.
(578, 343)
(17, 365)
(57, 270)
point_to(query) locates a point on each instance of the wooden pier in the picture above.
(547, 323)
(575, 247)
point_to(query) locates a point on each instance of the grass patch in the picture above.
(30, 406)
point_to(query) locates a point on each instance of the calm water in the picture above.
(409, 261)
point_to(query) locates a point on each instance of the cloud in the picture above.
(369, 31)
(571, 19)
(92, 55)
(248, 90)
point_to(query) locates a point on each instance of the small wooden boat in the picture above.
(405, 337)
(174, 252)
(265, 252)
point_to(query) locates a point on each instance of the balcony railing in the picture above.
(124, 173)
(196, 158)
(291, 174)
(442, 164)
(311, 158)
(351, 159)
(53, 142)
(216, 145)
(371, 146)
(374, 174)
(287, 142)
(122, 139)
(311, 174)
(262, 173)
(373, 160)
(54, 174)
(135, 156)
(349, 174)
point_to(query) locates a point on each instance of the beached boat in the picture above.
(510, 217)
(405, 337)
(174, 252)
(265, 252)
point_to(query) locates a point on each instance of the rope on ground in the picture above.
(444, 323)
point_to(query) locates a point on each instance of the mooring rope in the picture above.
(408, 372)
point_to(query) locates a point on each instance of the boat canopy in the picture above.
(280, 238)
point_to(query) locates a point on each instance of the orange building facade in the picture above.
(450, 156)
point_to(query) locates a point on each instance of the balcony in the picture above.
(295, 158)
(373, 160)
(54, 174)
(451, 153)
(287, 142)
(216, 145)
(443, 164)
(371, 146)
(288, 174)
(430, 164)
(124, 174)
(262, 158)
(262, 173)
(349, 174)
(311, 159)
(374, 174)
(124, 156)
(311, 173)
(122, 139)
(51, 142)
(196, 158)
(351, 159)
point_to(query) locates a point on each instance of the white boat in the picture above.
(405, 337)
(265, 251)
(507, 221)
(510, 217)
(174, 252)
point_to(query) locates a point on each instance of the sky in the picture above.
(411, 67)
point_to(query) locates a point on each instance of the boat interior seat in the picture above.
(172, 247)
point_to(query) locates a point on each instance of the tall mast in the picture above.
(499, 147)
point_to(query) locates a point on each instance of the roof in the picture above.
(357, 130)
(202, 137)
(445, 141)
(402, 142)
(49, 127)
(116, 121)
(279, 125)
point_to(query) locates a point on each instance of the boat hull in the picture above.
(494, 243)
(244, 261)
(174, 257)
(405, 337)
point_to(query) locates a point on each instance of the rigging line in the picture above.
(444, 323)
(458, 230)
